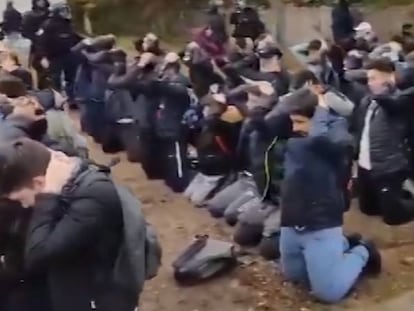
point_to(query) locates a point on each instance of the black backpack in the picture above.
(204, 259)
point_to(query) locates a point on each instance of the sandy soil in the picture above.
(256, 286)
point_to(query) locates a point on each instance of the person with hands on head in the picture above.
(384, 119)
(76, 228)
(313, 247)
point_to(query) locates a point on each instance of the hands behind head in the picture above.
(146, 59)
(319, 91)
(58, 172)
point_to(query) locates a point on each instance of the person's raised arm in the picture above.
(400, 103)
(329, 131)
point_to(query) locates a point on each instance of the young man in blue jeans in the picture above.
(313, 247)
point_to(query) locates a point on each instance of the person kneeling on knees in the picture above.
(313, 247)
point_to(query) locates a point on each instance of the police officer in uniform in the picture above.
(56, 37)
(32, 21)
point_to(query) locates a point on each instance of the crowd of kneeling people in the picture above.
(279, 155)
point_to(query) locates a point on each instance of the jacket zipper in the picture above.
(266, 167)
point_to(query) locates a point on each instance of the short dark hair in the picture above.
(383, 64)
(302, 102)
(397, 38)
(20, 161)
(11, 86)
(303, 76)
(407, 26)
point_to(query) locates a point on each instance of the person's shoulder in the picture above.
(93, 181)
(47, 23)
(14, 128)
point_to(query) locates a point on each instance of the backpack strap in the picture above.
(83, 175)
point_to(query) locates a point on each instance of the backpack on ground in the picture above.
(204, 259)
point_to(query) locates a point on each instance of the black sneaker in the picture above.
(374, 263)
(354, 239)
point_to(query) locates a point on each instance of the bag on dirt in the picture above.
(139, 256)
(204, 259)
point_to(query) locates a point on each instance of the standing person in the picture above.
(12, 19)
(77, 228)
(342, 21)
(313, 247)
(56, 38)
(382, 124)
(246, 21)
(12, 23)
(216, 21)
(31, 24)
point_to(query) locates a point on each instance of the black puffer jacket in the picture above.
(388, 130)
(12, 20)
(75, 238)
(267, 166)
(19, 291)
(31, 23)
(57, 37)
(216, 146)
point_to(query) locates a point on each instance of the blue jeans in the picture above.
(322, 259)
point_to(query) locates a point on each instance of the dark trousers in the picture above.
(151, 154)
(384, 196)
(41, 73)
(174, 164)
(66, 65)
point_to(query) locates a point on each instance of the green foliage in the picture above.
(170, 18)
(135, 17)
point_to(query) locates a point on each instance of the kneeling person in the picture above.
(313, 247)
(76, 228)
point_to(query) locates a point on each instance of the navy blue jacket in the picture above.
(315, 166)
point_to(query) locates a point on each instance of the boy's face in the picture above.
(26, 196)
(300, 125)
(379, 82)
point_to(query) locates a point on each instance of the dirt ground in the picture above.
(256, 286)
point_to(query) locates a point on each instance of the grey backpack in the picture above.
(204, 259)
(139, 255)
